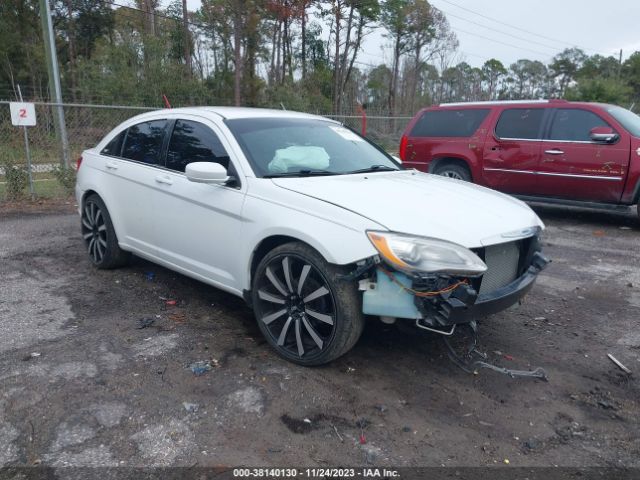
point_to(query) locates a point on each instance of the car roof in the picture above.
(523, 103)
(235, 112)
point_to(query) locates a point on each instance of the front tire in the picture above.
(99, 235)
(307, 313)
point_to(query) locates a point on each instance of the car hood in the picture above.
(426, 205)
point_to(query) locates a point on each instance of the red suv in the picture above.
(583, 154)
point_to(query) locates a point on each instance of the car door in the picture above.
(512, 152)
(199, 225)
(131, 161)
(573, 166)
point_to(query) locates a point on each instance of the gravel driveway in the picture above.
(84, 384)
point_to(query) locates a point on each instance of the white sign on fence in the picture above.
(23, 114)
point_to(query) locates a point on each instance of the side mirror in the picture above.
(206, 172)
(603, 135)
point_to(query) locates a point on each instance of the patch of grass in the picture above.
(43, 188)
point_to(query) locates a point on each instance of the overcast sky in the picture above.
(487, 28)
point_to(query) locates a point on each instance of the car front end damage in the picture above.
(441, 301)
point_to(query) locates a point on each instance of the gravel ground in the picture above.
(82, 385)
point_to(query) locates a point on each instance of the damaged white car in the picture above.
(315, 226)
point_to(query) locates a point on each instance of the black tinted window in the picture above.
(114, 147)
(574, 125)
(194, 142)
(520, 123)
(449, 123)
(143, 142)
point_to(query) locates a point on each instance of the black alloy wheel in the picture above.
(99, 235)
(94, 231)
(298, 305)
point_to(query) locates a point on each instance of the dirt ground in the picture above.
(83, 384)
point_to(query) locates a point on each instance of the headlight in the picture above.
(409, 253)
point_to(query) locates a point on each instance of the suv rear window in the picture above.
(449, 123)
(520, 123)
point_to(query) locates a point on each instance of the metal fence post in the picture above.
(54, 80)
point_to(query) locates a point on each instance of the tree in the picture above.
(393, 19)
(564, 67)
(599, 89)
(631, 74)
(492, 72)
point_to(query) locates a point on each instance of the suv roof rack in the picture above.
(497, 102)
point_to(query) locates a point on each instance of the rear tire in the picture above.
(307, 313)
(453, 170)
(99, 235)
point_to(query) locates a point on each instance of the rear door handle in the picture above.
(112, 165)
(554, 151)
(164, 180)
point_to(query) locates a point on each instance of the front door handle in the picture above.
(112, 165)
(164, 180)
(554, 151)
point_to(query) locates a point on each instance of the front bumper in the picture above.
(392, 297)
(455, 310)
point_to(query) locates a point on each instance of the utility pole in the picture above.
(620, 64)
(54, 80)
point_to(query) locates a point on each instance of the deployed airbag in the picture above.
(299, 157)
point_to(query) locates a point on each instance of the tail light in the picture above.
(403, 147)
(78, 163)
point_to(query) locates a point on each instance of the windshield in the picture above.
(294, 147)
(629, 120)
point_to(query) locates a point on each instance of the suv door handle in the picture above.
(554, 151)
(112, 165)
(164, 179)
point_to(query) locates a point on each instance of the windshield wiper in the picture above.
(373, 168)
(301, 173)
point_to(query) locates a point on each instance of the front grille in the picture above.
(502, 266)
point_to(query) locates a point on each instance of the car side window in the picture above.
(520, 123)
(143, 142)
(574, 125)
(194, 142)
(114, 147)
(449, 123)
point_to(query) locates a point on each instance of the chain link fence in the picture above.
(86, 125)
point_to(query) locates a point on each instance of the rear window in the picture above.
(449, 123)
(520, 123)
(143, 142)
(114, 147)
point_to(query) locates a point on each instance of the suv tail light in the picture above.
(403, 147)
(78, 163)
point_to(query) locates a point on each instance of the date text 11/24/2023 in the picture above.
(315, 473)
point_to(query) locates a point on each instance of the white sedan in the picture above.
(314, 225)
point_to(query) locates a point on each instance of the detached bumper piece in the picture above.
(441, 301)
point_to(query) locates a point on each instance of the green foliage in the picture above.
(15, 176)
(122, 56)
(66, 177)
(605, 90)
